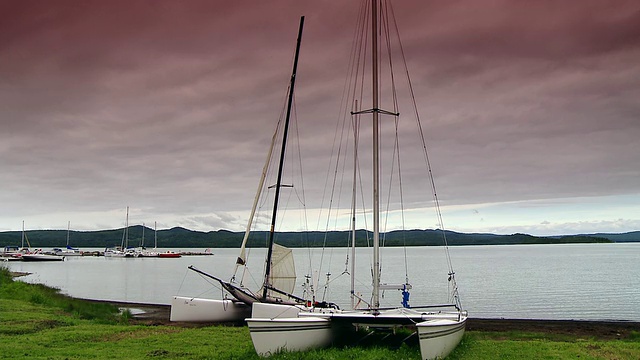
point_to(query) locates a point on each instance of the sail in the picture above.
(283, 270)
(242, 259)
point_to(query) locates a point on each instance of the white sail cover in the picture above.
(283, 270)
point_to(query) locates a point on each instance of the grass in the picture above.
(38, 322)
(478, 345)
(47, 297)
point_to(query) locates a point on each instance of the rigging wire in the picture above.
(349, 89)
(269, 174)
(301, 196)
(454, 291)
(388, 11)
(353, 93)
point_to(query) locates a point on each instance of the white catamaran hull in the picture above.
(207, 310)
(276, 328)
(439, 337)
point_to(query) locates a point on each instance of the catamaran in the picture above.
(439, 327)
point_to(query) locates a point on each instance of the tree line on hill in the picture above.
(183, 238)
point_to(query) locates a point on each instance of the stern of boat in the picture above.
(276, 328)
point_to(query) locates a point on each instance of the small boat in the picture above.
(169, 254)
(131, 252)
(144, 252)
(25, 254)
(123, 250)
(68, 251)
(11, 252)
(115, 251)
(39, 256)
(14, 252)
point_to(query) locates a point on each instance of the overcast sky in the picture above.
(531, 109)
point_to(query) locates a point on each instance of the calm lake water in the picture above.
(576, 281)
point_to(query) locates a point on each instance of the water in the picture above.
(574, 281)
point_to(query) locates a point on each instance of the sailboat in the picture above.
(143, 251)
(279, 278)
(36, 255)
(15, 252)
(439, 327)
(69, 250)
(23, 249)
(122, 250)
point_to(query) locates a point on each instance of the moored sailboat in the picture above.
(169, 254)
(123, 250)
(143, 251)
(26, 254)
(68, 250)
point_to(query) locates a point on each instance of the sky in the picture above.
(530, 109)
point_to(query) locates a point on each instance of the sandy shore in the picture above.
(156, 314)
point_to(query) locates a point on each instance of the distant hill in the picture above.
(633, 236)
(185, 238)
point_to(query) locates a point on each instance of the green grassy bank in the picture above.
(38, 322)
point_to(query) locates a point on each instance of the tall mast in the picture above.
(68, 227)
(280, 166)
(375, 111)
(376, 153)
(126, 231)
(353, 209)
(126, 239)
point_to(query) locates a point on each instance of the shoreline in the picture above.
(158, 314)
(599, 329)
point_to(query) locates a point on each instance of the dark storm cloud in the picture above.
(171, 105)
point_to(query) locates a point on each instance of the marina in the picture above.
(93, 252)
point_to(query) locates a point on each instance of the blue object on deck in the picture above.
(405, 297)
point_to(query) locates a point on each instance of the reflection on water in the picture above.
(577, 281)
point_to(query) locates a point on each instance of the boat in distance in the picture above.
(39, 256)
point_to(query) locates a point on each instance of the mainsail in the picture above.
(283, 270)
